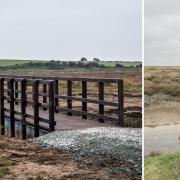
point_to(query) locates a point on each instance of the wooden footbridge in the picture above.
(35, 101)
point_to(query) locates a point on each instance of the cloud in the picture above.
(162, 32)
(68, 29)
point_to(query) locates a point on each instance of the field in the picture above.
(6, 62)
(164, 167)
(162, 95)
(12, 62)
(162, 80)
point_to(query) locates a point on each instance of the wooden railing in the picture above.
(18, 85)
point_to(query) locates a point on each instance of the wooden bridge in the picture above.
(35, 101)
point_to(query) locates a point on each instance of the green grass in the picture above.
(162, 167)
(6, 62)
(4, 166)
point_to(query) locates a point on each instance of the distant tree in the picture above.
(96, 60)
(83, 59)
(119, 65)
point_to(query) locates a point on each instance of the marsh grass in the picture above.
(163, 80)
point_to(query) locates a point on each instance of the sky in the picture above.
(162, 32)
(71, 29)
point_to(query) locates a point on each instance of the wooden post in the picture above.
(56, 91)
(8, 90)
(23, 108)
(69, 93)
(84, 95)
(16, 91)
(12, 120)
(121, 103)
(51, 107)
(44, 97)
(2, 125)
(36, 107)
(101, 97)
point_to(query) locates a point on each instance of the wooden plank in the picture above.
(56, 92)
(101, 97)
(69, 93)
(44, 97)
(105, 80)
(23, 108)
(12, 120)
(94, 101)
(16, 91)
(2, 125)
(90, 114)
(36, 107)
(84, 95)
(121, 103)
(51, 106)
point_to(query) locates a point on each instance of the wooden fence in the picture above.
(16, 93)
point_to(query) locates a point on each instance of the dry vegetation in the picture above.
(163, 80)
(162, 95)
(132, 79)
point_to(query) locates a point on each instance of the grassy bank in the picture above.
(162, 167)
(164, 80)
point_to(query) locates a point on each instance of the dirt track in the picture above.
(25, 160)
(161, 110)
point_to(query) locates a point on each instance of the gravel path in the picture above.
(116, 145)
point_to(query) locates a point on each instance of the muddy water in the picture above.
(18, 130)
(163, 139)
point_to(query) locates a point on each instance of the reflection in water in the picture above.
(163, 139)
(18, 134)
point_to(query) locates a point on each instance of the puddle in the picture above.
(18, 129)
(163, 139)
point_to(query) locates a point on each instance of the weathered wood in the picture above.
(121, 103)
(23, 108)
(12, 120)
(101, 97)
(36, 107)
(44, 97)
(56, 92)
(51, 106)
(2, 125)
(16, 91)
(69, 93)
(84, 95)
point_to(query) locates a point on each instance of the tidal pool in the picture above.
(162, 139)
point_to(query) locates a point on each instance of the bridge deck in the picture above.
(63, 121)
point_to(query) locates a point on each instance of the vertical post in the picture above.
(16, 91)
(101, 98)
(69, 94)
(56, 91)
(121, 103)
(2, 125)
(8, 90)
(44, 97)
(51, 106)
(12, 120)
(84, 95)
(23, 108)
(36, 107)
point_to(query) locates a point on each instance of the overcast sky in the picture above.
(70, 29)
(162, 32)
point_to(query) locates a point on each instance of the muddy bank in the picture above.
(161, 110)
(26, 160)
